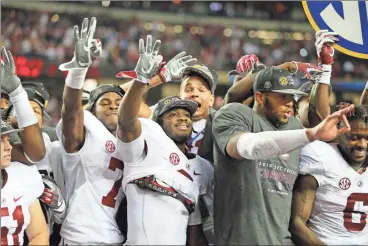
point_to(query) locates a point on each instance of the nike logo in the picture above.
(196, 173)
(17, 199)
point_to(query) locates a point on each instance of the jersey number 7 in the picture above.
(109, 200)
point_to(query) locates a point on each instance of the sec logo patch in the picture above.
(174, 158)
(110, 146)
(344, 183)
(347, 18)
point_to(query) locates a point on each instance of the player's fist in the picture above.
(246, 64)
(306, 70)
(324, 42)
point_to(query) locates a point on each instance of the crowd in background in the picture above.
(50, 36)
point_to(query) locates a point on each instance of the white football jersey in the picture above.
(22, 186)
(155, 218)
(51, 164)
(340, 209)
(92, 183)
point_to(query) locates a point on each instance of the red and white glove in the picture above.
(246, 64)
(324, 42)
(53, 198)
(174, 69)
(307, 70)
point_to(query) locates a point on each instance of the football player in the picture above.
(92, 166)
(330, 199)
(162, 179)
(21, 185)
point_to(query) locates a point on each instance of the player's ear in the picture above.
(259, 98)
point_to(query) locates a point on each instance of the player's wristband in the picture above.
(325, 77)
(23, 110)
(75, 78)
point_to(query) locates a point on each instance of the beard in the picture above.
(272, 115)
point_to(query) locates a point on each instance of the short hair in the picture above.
(360, 113)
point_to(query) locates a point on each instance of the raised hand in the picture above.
(84, 43)
(246, 64)
(9, 79)
(324, 42)
(306, 70)
(148, 64)
(174, 69)
(328, 129)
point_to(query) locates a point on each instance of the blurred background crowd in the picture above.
(40, 35)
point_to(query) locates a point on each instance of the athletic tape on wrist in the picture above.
(325, 77)
(366, 86)
(23, 110)
(75, 78)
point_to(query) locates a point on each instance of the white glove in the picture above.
(83, 45)
(148, 63)
(174, 69)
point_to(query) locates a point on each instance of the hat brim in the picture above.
(8, 132)
(46, 116)
(291, 92)
(209, 80)
(189, 105)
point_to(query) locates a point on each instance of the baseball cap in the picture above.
(275, 79)
(6, 129)
(168, 103)
(203, 71)
(39, 87)
(100, 90)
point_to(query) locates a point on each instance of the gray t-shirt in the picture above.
(252, 197)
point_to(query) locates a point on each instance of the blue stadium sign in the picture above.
(348, 18)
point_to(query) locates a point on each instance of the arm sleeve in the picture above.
(311, 163)
(230, 120)
(134, 151)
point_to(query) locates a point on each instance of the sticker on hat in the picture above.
(267, 85)
(283, 81)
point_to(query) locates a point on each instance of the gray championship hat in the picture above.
(204, 72)
(6, 129)
(168, 103)
(275, 79)
(99, 91)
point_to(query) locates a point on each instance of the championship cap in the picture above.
(168, 103)
(100, 90)
(204, 72)
(275, 79)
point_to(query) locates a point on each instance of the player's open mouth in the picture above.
(359, 153)
(288, 114)
(183, 126)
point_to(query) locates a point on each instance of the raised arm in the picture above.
(304, 195)
(270, 144)
(129, 127)
(319, 107)
(32, 145)
(72, 109)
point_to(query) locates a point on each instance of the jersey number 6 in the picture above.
(349, 211)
